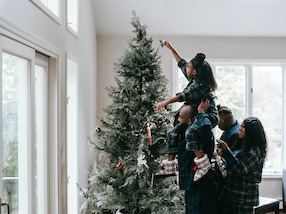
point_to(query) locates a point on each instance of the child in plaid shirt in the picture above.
(200, 86)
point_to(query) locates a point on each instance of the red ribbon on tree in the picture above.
(150, 125)
(148, 129)
(120, 165)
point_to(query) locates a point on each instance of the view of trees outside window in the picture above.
(231, 91)
(40, 139)
(10, 105)
(267, 106)
(251, 90)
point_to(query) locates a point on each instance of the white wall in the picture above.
(111, 48)
(36, 26)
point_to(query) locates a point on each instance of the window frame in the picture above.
(72, 137)
(42, 61)
(48, 11)
(57, 201)
(68, 23)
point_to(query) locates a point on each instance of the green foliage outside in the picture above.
(122, 138)
(10, 132)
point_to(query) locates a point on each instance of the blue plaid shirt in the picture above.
(230, 136)
(199, 135)
(195, 91)
(202, 134)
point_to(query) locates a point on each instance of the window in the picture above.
(72, 100)
(72, 16)
(24, 148)
(41, 100)
(14, 133)
(253, 89)
(50, 7)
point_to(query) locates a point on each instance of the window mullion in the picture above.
(41, 148)
(31, 142)
(249, 90)
(284, 117)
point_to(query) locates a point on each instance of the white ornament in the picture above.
(141, 161)
(118, 212)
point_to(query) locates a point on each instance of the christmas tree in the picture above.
(131, 140)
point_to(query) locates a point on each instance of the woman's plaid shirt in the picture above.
(244, 171)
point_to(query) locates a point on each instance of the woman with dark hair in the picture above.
(244, 167)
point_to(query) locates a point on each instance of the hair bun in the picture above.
(200, 57)
(198, 60)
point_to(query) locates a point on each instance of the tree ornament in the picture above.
(119, 211)
(97, 129)
(148, 129)
(142, 161)
(150, 125)
(161, 43)
(120, 165)
(136, 133)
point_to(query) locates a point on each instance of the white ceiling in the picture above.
(193, 17)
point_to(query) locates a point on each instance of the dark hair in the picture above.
(204, 71)
(223, 110)
(255, 135)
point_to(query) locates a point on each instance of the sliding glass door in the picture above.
(23, 129)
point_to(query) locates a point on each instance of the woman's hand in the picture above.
(221, 144)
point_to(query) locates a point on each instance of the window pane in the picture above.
(231, 90)
(52, 5)
(267, 106)
(14, 129)
(40, 139)
(72, 94)
(72, 15)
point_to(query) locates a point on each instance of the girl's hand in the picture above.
(167, 44)
(204, 105)
(161, 105)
